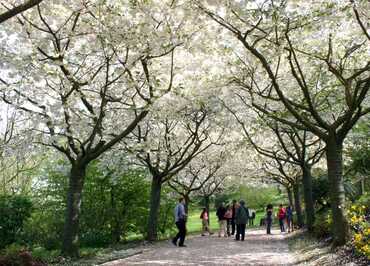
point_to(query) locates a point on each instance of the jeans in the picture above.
(240, 231)
(232, 226)
(268, 224)
(182, 232)
(281, 223)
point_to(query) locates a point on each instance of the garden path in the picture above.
(257, 249)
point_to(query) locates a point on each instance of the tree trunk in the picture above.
(340, 226)
(297, 205)
(116, 222)
(290, 196)
(71, 227)
(206, 203)
(363, 185)
(187, 202)
(308, 200)
(155, 201)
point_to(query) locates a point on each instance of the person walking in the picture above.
(205, 222)
(252, 217)
(241, 219)
(269, 212)
(289, 218)
(180, 220)
(228, 216)
(281, 216)
(234, 208)
(221, 220)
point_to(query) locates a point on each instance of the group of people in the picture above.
(232, 219)
(284, 215)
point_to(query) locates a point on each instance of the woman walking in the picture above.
(269, 212)
(289, 218)
(281, 216)
(205, 222)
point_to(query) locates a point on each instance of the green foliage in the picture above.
(360, 149)
(320, 190)
(45, 255)
(14, 211)
(18, 255)
(45, 227)
(322, 225)
(166, 220)
(258, 197)
(114, 207)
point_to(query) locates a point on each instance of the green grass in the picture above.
(194, 223)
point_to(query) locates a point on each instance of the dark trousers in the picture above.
(229, 227)
(251, 221)
(240, 231)
(268, 224)
(232, 226)
(182, 232)
(281, 223)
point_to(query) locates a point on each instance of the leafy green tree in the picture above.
(14, 211)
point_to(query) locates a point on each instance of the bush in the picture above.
(14, 211)
(17, 255)
(360, 224)
(322, 225)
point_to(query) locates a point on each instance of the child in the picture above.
(205, 222)
(229, 216)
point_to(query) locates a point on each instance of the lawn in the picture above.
(194, 223)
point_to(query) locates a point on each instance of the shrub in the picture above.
(322, 225)
(14, 211)
(359, 220)
(17, 255)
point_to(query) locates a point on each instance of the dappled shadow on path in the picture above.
(257, 249)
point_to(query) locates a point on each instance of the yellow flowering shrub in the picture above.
(361, 227)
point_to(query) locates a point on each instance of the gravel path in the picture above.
(257, 249)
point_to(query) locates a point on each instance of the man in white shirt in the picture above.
(180, 220)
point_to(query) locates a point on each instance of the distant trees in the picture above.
(166, 145)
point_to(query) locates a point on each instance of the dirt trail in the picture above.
(257, 249)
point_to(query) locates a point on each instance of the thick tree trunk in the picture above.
(155, 201)
(308, 200)
(71, 227)
(297, 205)
(340, 226)
(290, 196)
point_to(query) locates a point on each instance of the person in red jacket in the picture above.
(281, 216)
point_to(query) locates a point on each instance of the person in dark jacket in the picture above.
(234, 208)
(241, 219)
(221, 220)
(268, 220)
(289, 218)
(180, 220)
